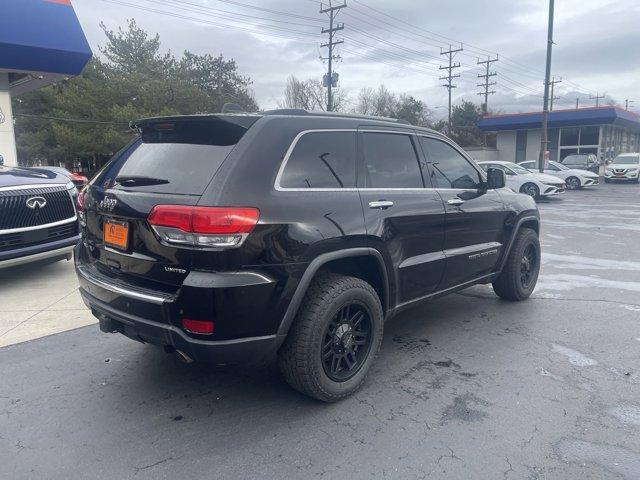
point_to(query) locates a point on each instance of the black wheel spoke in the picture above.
(335, 364)
(346, 342)
(350, 362)
(356, 319)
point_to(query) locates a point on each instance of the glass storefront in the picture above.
(578, 140)
(615, 140)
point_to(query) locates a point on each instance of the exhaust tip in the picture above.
(184, 357)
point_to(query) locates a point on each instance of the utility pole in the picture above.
(450, 76)
(552, 97)
(545, 106)
(577, 102)
(627, 102)
(329, 79)
(597, 98)
(487, 63)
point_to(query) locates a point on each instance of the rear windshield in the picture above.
(174, 156)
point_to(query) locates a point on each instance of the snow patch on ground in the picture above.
(575, 357)
(566, 282)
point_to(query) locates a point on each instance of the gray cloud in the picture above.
(596, 44)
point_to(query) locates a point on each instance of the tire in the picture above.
(573, 183)
(511, 284)
(530, 189)
(307, 357)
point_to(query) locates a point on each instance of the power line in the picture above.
(210, 11)
(218, 24)
(520, 68)
(486, 84)
(597, 98)
(269, 10)
(553, 97)
(450, 75)
(329, 79)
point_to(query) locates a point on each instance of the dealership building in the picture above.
(41, 42)
(603, 131)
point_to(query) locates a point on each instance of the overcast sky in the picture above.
(596, 51)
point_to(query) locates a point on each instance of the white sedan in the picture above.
(521, 180)
(573, 177)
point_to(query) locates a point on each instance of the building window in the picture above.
(521, 146)
(583, 140)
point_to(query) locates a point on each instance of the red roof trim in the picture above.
(60, 2)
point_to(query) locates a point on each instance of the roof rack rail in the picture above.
(300, 111)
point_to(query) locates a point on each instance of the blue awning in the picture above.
(40, 41)
(561, 118)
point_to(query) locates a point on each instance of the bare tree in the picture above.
(310, 95)
(384, 103)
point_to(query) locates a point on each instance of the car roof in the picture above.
(247, 119)
(498, 162)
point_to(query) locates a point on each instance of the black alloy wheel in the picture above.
(528, 266)
(519, 276)
(346, 342)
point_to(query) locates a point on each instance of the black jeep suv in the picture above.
(235, 237)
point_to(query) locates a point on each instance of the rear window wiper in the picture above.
(130, 180)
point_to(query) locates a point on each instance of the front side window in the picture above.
(449, 169)
(516, 169)
(322, 160)
(528, 164)
(390, 161)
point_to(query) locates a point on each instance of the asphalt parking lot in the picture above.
(467, 386)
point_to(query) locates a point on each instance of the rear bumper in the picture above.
(48, 251)
(242, 350)
(238, 303)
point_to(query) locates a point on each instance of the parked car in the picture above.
(78, 179)
(625, 167)
(582, 161)
(233, 238)
(519, 179)
(573, 177)
(38, 218)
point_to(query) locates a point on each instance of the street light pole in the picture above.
(545, 108)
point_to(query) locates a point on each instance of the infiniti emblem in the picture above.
(36, 202)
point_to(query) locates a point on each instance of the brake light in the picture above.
(203, 226)
(80, 201)
(201, 327)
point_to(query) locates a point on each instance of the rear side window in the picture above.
(390, 161)
(449, 168)
(177, 157)
(322, 160)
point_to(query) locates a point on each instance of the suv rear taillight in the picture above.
(80, 200)
(203, 227)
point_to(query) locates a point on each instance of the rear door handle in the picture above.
(455, 201)
(382, 204)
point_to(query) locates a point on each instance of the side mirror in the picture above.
(496, 178)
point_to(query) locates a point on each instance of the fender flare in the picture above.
(512, 239)
(310, 272)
